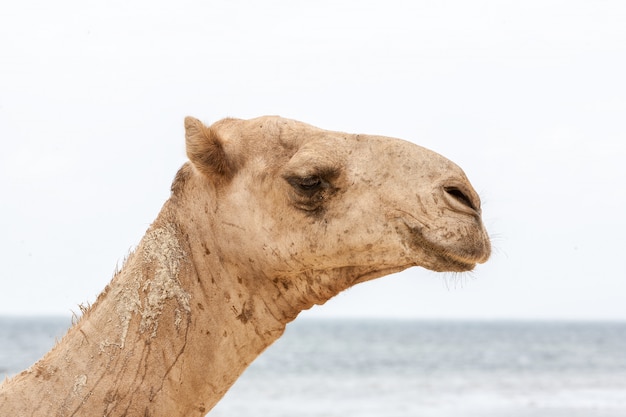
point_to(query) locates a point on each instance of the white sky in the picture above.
(529, 97)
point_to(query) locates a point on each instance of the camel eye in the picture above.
(309, 183)
(312, 189)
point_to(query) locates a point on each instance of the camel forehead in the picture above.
(273, 131)
(300, 133)
(276, 139)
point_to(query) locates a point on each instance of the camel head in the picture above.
(270, 217)
(286, 197)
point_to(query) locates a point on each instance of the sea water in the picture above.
(367, 368)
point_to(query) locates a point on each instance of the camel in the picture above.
(268, 218)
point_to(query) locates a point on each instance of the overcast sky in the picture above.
(529, 97)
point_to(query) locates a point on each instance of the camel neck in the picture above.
(147, 346)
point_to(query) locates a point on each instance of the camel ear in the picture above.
(205, 150)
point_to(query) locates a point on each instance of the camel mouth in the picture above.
(447, 261)
(453, 264)
(444, 258)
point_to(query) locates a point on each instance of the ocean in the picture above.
(385, 368)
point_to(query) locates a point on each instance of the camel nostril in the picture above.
(461, 197)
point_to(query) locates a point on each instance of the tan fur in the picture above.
(270, 217)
